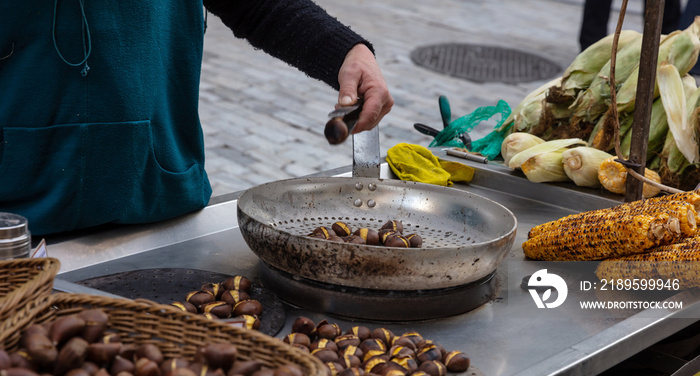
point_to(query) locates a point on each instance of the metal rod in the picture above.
(645, 95)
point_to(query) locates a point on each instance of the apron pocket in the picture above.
(67, 177)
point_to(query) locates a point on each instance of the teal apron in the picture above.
(121, 144)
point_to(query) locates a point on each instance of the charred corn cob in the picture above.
(691, 197)
(676, 261)
(683, 211)
(611, 235)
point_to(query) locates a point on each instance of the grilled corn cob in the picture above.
(614, 235)
(691, 197)
(680, 206)
(679, 261)
(613, 177)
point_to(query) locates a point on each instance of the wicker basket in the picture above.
(176, 333)
(23, 281)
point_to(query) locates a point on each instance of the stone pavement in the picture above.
(263, 120)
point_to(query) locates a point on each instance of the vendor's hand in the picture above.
(360, 75)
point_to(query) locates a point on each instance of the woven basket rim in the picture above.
(41, 280)
(313, 365)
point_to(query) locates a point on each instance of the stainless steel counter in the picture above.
(507, 336)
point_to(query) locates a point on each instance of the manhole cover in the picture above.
(484, 63)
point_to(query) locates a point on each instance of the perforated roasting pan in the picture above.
(465, 236)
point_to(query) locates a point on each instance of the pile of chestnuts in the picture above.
(363, 351)
(80, 345)
(230, 298)
(390, 235)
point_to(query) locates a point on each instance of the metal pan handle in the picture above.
(365, 154)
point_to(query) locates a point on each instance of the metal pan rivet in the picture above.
(358, 202)
(371, 203)
(359, 186)
(372, 187)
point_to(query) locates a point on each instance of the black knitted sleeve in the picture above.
(298, 32)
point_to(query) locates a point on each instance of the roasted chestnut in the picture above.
(171, 364)
(302, 348)
(456, 361)
(324, 343)
(398, 350)
(200, 298)
(185, 306)
(303, 325)
(414, 337)
(415, 240)
(372, 344)
(352, 371)
(219, 309)
(428, 352)
(121, 364)
(341, 229)
(404, 342)
(214, 288)
(237, 283)
(297, 338)
(406, 362)
(72, 355)
(234, 296)
(95, 324)
(393, 225)
(250, 307)
(433, 368)
(150, 351)
(66, 327)
(350, 350)
(384, 335)
(334, 367)
(245, 367)
(218, 355)
(370, 236)
(396, 241)
(103, 353)
(146, 367)
(362, 332)
(354, 239)
(349, 361)
(325, 355)
(374, 365)
(251, 322)
(346, 340)
(323, 231)
(329, 331)
(384, 234)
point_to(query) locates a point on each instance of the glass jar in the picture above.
(15, 239)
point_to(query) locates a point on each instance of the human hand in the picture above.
(360, 76)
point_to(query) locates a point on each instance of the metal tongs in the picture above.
(342, 121)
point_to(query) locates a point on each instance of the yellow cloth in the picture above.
(416, 163)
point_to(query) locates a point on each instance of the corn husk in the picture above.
(679, 48)
(673, 98)
(514, 143)
(546, 147)
(545, 167)
(593, 102)
(527, 112)
(689, 85)
(603, 135)
(581, 165)
(658, 128)
(583, 70)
